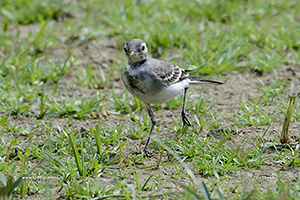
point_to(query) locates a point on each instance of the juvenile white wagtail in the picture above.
(155, 81)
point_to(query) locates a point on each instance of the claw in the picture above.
(147, 153)
(185, 120)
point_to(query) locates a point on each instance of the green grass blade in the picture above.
(134, 175)
(98, 139)
(75, 152)
(3, 120)
(145, 184)
(288, 115)
(3, 181)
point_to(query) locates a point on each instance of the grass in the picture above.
(24, 12)
(62, 100)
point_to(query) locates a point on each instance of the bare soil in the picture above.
(239, 84)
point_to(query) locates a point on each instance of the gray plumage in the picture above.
(154, 81)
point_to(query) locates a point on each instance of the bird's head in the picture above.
(136, 51)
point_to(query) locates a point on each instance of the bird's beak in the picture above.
(132, 53)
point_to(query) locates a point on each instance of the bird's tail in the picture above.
(198, 80)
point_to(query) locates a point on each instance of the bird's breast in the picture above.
(132, 81)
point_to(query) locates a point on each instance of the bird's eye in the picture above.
(143, 48)
(125, 50)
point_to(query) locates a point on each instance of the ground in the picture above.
(67, 85)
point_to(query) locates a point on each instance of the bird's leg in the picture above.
(185, 120)
(153, 120)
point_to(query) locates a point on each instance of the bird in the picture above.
(155, 81)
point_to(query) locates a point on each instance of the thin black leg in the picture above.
(185, 120)
(153, 120)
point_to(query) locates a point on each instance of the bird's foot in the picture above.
(185, 120)
(146, 152)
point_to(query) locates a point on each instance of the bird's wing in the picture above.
(167, 72)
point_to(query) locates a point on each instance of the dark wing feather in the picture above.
(175, 75)
(167, 72)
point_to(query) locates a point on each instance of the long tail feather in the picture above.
(197, 80)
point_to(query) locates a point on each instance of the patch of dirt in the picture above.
(239, 85)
